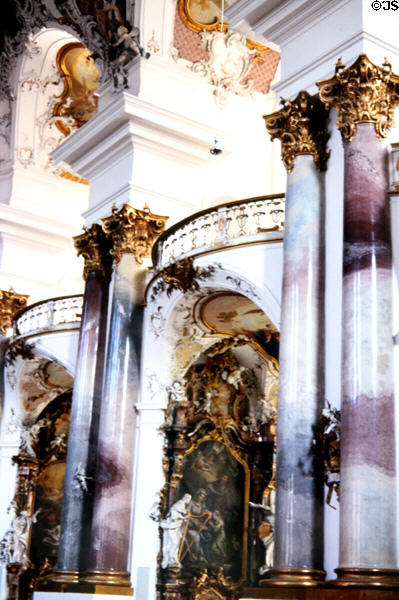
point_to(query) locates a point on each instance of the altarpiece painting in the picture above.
(216, 513)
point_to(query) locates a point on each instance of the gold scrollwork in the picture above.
(193, 24)
(94, 246)
(10, 304)
(133, 230)
(362, 93)
(177, 473)
(301, 126)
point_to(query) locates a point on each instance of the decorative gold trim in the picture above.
(366, 578)
(61, 107)
(220, 249)
(60, 576)
(362, 93)
(71, 177)
(10, 304)
(191, 23)
(109, 578)
(95, 248)
(301, 126)
(133, 230)
(217, 435)
(197, 26)
(294, 578)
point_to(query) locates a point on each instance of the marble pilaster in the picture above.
(80, 467)
(365, 97)
(298, 557)
(132, 233)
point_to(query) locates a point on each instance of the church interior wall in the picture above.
(150, 146)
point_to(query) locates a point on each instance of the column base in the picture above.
(366, 578)
(60, 576)
(294, 578)
(107, 578)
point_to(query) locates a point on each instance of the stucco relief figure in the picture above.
(29, 435)
(267, 538)
(266, 529)
(130, 47)
(13, 546)
(173, 528)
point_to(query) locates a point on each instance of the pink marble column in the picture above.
(368, 473)
(298, 556)
(132, 233)
(83, 431)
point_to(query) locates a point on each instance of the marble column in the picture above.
(83, 431)
(365, 96)
(132, 233)
(298, 557)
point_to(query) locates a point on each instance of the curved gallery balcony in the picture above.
(252, 220)
(48, 316)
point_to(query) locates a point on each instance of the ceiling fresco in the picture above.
(232, 314)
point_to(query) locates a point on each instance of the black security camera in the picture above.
(216, 149)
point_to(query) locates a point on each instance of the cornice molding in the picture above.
(160, 129)
(301, 126)
(362, 93)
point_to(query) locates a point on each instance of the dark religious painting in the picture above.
(46, 527)
(214, 532)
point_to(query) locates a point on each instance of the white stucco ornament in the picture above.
(228, 65)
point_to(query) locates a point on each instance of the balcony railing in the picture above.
(221, 226)
(47, 316)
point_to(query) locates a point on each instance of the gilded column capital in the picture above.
(301, 126)
(362, 93)
(10, 304)
(133, 231)
(94, 246)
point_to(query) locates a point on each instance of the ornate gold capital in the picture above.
(10, 304)
(133, 231)
(94, 246)
(301, 127)
(362, 93)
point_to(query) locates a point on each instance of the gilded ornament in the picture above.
(301, 126)
(10, 304)
(195, 25)
(94, 246)
(362, 93)
(133, 231)
(181, 275)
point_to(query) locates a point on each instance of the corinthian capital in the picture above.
(133, 231)
(10, 304)
(301, 127)
(362, 93)
(94, 246)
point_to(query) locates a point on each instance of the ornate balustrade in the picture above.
(56, 314)
(221, 226)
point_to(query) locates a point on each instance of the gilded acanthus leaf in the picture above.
(10, 304)
(362, 93)
(133, 231)
(94, 246)
(301, 126)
